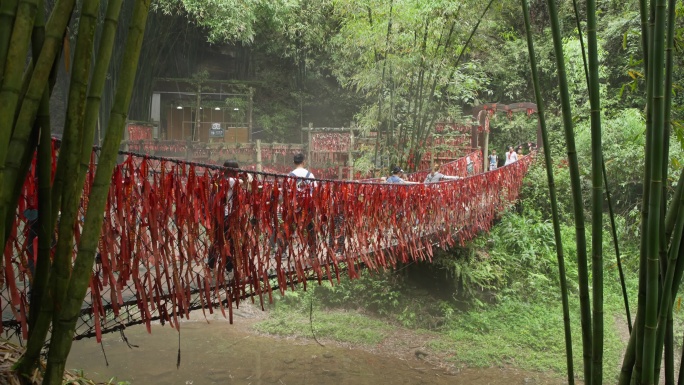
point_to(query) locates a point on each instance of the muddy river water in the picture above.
(220, 353)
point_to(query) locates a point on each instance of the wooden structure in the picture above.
(209, 111)
(331, 146)
(480, 131)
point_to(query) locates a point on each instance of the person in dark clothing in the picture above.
(223, 238)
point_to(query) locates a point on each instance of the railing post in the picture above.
(351, 154)
(308, 147)
(258, 156)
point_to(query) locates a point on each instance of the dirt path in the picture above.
(623, 330)
(219, 353)
(409, 346)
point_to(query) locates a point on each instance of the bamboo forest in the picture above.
(341, 192)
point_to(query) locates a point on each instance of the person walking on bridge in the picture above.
(514, 155)
(396, 177)
(436, 176)
(224, 238)
(493, 161)
(304, 204)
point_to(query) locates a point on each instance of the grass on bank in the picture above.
(338, 325)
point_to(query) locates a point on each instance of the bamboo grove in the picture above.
(661, 264)
(34, 32)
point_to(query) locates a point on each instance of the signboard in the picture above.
(216, 131)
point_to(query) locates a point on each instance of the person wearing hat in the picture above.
(397, 173)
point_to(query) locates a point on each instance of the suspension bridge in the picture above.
(173, 229)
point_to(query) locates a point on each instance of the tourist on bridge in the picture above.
(223, 238)
(493, 160)
(301, 172)
(304, 194)
(397, 173)
(436, 176)
(511, 156)
(514, 155)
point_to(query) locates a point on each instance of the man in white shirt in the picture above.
(304, 192)
(301, 172)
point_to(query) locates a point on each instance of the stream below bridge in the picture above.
(220, 353)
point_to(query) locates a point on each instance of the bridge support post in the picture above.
(259, 166)
(351, 155)
(482, 118)
(308, 147)
(473, 137)
(485, 151)
(539, 134)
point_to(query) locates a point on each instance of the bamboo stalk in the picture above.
(669, 349)
(73, 132)
(669, 54)
(382, 81)
(54, 31)
(665, 308)
(674, 207)
(8, 10)
(10, 89)
(427, 124)
(597, 195)
(458, 60)
(418, 105)
(99, 75)
(628, 360)
(654, 218)
(605, 179)
(44, 173)
(61, 339)
(667, 221)
(105, 51)
(14, 68)
(580, 237)
(641, 295)
(678, 277)
(552, 195)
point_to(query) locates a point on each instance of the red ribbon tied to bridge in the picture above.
(179, 236)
